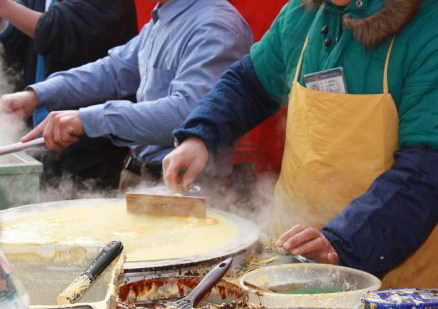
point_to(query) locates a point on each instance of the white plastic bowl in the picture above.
(336, 286)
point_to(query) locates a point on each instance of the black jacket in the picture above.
(71, 33)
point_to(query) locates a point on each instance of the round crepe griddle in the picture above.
(246, 236)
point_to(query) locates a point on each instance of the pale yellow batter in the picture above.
(144, 237)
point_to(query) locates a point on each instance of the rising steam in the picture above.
(11, 128)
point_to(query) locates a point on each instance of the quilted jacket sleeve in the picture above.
(235, 105)
(388, 223)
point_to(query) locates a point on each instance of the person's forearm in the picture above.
(20, 16)
(236, 104)
(88, 84)
(142, 123)
(384, 226)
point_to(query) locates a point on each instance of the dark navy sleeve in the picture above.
(235, 105)
(383, 227)
(74, 32)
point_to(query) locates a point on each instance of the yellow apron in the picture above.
(336, 146)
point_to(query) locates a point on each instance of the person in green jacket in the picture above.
(359, 178)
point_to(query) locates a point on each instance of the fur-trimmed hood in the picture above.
(384, 23)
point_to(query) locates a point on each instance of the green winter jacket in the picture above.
(399, 211)
(356, 38)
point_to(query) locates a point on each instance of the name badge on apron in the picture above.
(328, 81)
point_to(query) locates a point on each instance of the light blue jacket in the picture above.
(170, 65)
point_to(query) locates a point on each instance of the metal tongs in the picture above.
(21, 146)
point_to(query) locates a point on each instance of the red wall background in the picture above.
(264, 144)
(144, 8)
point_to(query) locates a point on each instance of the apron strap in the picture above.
(300, 60)
(385, 72)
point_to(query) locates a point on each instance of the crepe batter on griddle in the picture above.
(145, 238)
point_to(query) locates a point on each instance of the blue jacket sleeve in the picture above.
(235, 105)
(381, 228)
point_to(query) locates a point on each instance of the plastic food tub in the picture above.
(46, 270)
(401, 298)
(19, 180)
(308, 285)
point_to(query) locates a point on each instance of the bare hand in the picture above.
(181, 166)
(59, 129)
(310, 242)
(21, 104)
(2, 4)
